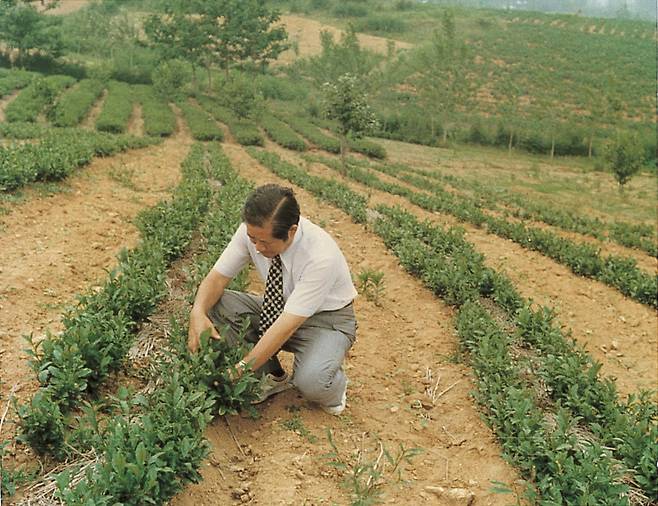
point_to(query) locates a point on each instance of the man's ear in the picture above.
(292, 230)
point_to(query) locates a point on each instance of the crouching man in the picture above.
(306, 308)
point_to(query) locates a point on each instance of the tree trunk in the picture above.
(509, 145)
(209, 77)
(589, 148)
(343, 152)
(552, 147)
(433, 127)
(445, 134)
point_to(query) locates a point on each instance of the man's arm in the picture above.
(275, 337)
(210, 291)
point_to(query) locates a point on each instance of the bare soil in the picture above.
(305, 34)
(89, 122)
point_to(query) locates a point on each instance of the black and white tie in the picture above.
(273, 298)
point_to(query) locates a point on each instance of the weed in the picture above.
(124, 176)
(296, 425)
(366, 475)
(371, 284)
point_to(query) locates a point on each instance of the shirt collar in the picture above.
(286, 256)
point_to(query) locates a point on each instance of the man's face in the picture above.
(267, 245)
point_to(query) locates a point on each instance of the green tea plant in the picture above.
(57, 155)
(117, 108)
(72, 106)
(311, 132)
(281, 133)
(159, 119)
(203, 127)
(245, 131)
(39, 96)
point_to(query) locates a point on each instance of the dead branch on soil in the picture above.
(2, 421)
(233, 436)
(448, 389)
(44, 492)
(433, 386)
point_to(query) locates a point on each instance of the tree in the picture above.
(346, 102)
(440, 70)
(624, 157)
(177, 35)
(23, 28)
(345, 56)
(224, 32)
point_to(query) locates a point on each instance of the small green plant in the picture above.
(124, 176)
(296, 425)
(365, 474)
(371, 284)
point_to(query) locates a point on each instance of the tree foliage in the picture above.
(441, 75)
(624, 157)
(23, 28)
(223, 32)
(346, 101)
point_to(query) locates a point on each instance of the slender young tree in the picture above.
(624, 157)
(345, 101)
(440, 70)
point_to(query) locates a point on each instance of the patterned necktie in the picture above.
(273, 298)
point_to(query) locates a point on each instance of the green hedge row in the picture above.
(202, 126)
(73, 106)
(58, 154)
(562, 468)
(627, 234)
(582, 258)
(23, 130)
(117, 108)
(36, 97)
(312, 133)
(11, 81)
(159, 119)
(244, 131)
(281, 133)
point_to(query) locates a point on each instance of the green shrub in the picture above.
(349, 10)
(203, 127)
(38, 97)
(282, 134)
(72, 106)
(117, 109)
(159, 119)
(382, 24)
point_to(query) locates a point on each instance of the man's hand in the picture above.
(198, 324)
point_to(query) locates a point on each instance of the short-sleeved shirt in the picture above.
(316, 276)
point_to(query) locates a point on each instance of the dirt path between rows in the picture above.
(136, 122)
(397, 343)
(89, 122)
(5, 101)
(614, 329)
(57, 246)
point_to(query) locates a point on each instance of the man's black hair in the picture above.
(274, 202)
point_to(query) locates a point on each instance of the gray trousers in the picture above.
(319, 344)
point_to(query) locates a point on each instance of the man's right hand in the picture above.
(198, 324)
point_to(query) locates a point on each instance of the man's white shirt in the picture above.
(316, 276)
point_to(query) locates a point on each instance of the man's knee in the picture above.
(315, 384)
